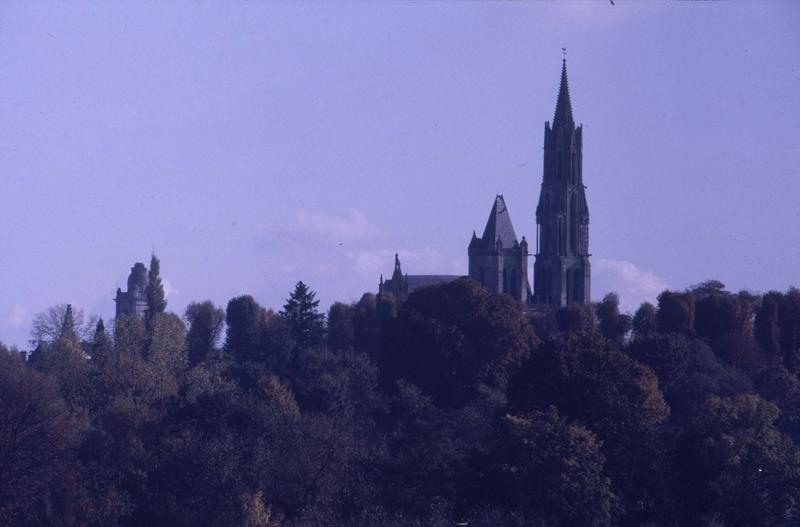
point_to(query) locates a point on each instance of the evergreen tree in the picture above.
(156, 301)
(68, 327)
(101, 345)
(306, 322)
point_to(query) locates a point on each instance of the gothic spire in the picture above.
(563, 106)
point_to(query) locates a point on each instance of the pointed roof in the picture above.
(563, 106)
(499, 227)
(398, 273)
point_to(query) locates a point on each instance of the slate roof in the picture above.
(498, 226)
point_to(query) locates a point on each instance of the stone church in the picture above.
(499, 261)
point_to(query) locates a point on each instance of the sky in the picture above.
(254, 144)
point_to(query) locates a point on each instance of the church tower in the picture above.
(497, 260)
(562, 274)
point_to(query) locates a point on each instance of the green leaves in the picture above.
(156, 299)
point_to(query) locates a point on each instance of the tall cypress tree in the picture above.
(156, 302)
(68, 327)
(102, 346)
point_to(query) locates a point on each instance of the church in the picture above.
(498, 260)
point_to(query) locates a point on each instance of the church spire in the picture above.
(563, 106)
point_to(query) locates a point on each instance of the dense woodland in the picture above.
(455, 409)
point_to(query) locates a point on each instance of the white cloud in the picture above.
(14, 318)
(170, 292)
(633, 285)
(336, 228)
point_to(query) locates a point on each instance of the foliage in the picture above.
(245, 319)
(341, 331)
(306, 323)
(34, 437)
(451, 339)
(206, 322)
(676, 313)
(613, 325)
(445, 410)
(739, 468)
(48, 325)
(617, 398)
(548, 470)
(156, 298)
(645, 320)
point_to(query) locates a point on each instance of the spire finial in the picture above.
(564, 54)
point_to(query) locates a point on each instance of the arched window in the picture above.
(505, 282)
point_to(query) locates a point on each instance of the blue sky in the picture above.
(253, 144)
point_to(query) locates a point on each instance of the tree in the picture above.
(48, 325)
(206, 322)
(737, 467)
(644, 321)
(65, 360)
(449, 339)
(675, 313)
(688, 371)
(156, 300)
(575, 318)
(166, 352)
(789, 324)
(548, 470)
(341, 333)
(613, 324)
(245, 319)
(68, 332)
(367, 327)
(34, 436)
(102, 346)
(767, 330)
(306, 322)
(616, 397)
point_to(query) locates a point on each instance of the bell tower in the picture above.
(562, 273)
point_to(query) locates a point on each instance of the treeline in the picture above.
(450, 410)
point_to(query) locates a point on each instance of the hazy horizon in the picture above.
(252, 145)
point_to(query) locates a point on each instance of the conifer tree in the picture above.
(156, 302)
(101, 345)
(306, 322)
(68, 327)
